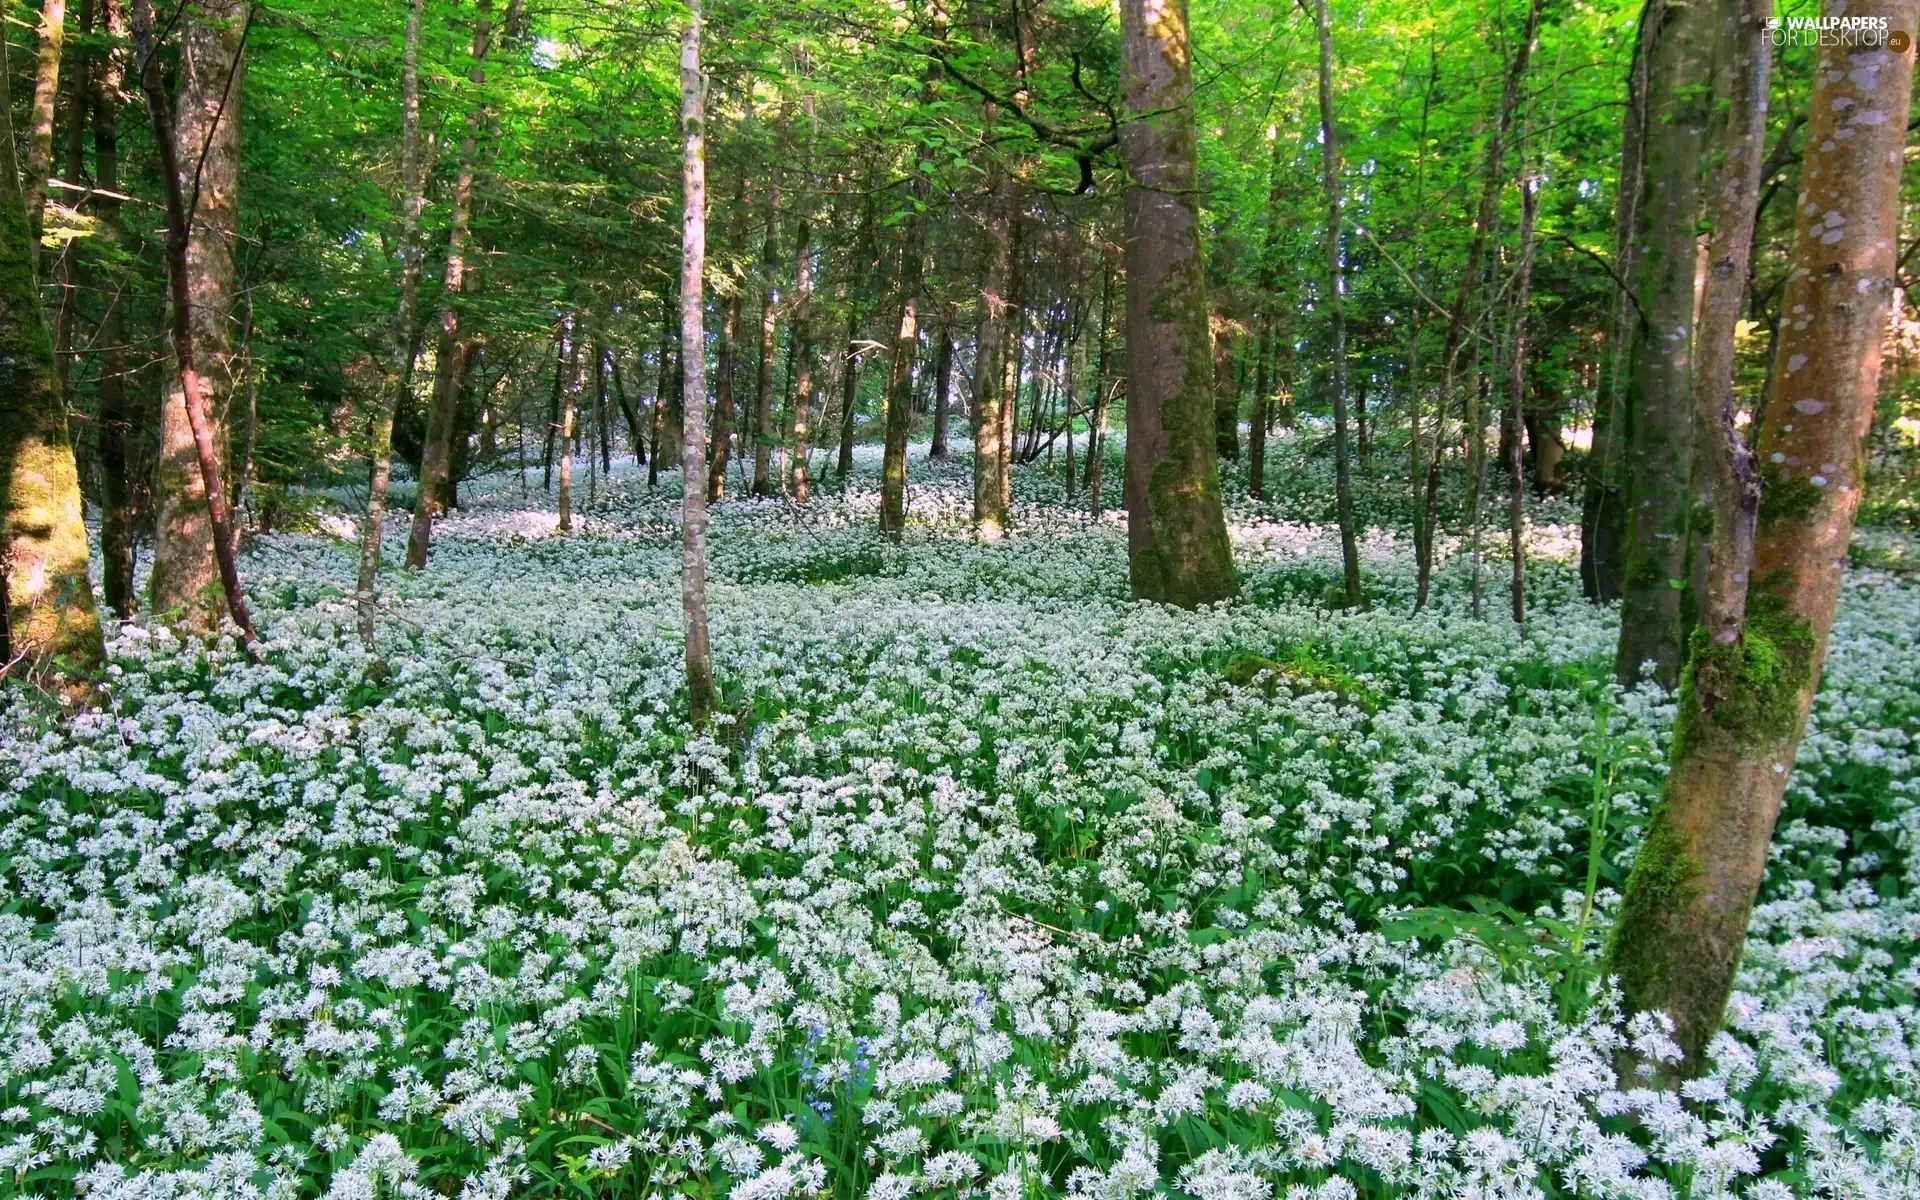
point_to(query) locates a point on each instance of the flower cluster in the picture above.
(986, 882)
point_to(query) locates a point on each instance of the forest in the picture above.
(966, 599)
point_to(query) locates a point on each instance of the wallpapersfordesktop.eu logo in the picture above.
(1864, 33)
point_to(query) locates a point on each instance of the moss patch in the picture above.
(1786, 497)
(1750, 690)
(1306, 671)
(1664, 880)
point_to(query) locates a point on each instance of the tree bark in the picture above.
(553, 403)
(693, 363)
(1226, 398)
(943, 389)
(763, 484)
(1756, 657)
(1516, 402)
(186, 572)
(1604, 505)
(79, 90)
(46, 85)
(110, 393)
(1337, 318)
(199, 277)
(1178, 552)
(49, 627)
(850, 361)
(1457, 325)
(906, 340)
(636, 437)
(413, 182)
(454, 344)
(1660, 454)
(990, 447)
(569, 404)
(723, 400)
(802, 334)
(1097, 396)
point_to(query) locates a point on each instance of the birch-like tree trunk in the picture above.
(1783, 514)
(693, 365)
(413, 181)
(1178, 551)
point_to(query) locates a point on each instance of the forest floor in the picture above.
(987, 883)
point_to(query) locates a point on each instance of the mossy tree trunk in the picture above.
(1783, 517)
(1178, 552)
(1660, 444)
(49, 628)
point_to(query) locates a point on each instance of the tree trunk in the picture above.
(1097, 395)
(1457, 325)
(1604, 504)
(763, 484)
(110, 393)
(185, 570)
(46, 85)
(693, 364)
(943, 389)
(850, 362)
(569, 406)
(802, 334)
(600, 409)
(193, 544)
(1178, 552)
(453, 347)
(636, 436)
(990, 448)
(79, 90)
(553, 402)
(1660, 456)
(1756, 657)
(720, 440)
(1337, 317)
(1516, 401)
(413, 181)
(48, 623)
(1226, 399)
(893, 470)
(906, 341)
